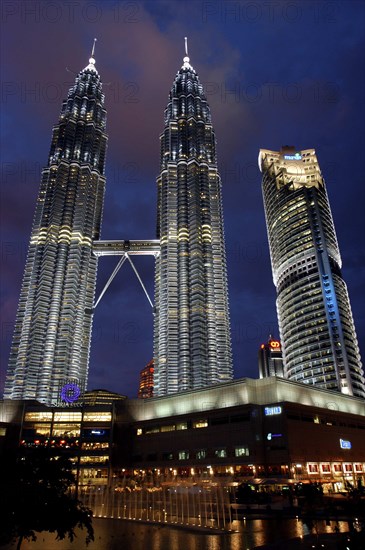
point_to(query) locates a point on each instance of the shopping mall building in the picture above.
(268, 432)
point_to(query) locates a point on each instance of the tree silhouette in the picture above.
(310, 497)
(35, 496)
(245, 493)
(354, 508)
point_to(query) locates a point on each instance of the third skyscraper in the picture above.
(315, 319)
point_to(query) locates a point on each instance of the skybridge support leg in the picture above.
(117, 268)
(140, 280)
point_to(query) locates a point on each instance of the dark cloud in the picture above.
(274, 73)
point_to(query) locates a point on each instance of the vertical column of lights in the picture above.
(315, 320)
(192, 332)
(53, 325)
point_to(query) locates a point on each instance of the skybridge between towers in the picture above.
(126, 249)
(133, 248)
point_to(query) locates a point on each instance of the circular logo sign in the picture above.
(274, 344)
(70, 393)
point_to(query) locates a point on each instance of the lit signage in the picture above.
(271, 411)
(70, 393)
(297, 156)
(274, 344)
(345, 444)
(270, 436)
(98, 432)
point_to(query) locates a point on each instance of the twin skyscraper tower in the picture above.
(192, 347)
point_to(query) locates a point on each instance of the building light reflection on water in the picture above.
(252, 533)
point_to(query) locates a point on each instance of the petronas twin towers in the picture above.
(50, 350)
(192, 349)
(53, 325)
(192, 333)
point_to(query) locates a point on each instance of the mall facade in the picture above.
(269, 432)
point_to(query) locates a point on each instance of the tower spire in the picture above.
(186, 60)
(91, 65)
(93, 49)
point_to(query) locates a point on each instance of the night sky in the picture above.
(275, 73)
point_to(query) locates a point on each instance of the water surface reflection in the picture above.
(113, 534)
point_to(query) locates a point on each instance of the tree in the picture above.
(35, 496)
(245, 493)
(310, 497)
(354, 508)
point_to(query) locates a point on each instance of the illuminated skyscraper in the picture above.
(315, 319)
(146, 381)
(271, 359)
(53, 324)
(192, 330)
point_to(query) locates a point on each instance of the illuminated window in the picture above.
(347, 467)
(312, 468)
(182, 426)
(87, 473)
(220, 453)
(170, 428)
(202, 453)
(152, 430)
(98, 459)
(67, 417)
(326, 468)
(200, 424)
(33, 430)
(139, 431)
(38, 416)
(241, 451)
(358, 468)
(95, 445)
(66, 430)
(97, 416)
(183, 455)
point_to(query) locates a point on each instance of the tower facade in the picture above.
(315, 320)
(53, 325)
(192, 346)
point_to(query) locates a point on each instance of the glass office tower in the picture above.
(315, 320)
(53, 324)
(192, 347)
